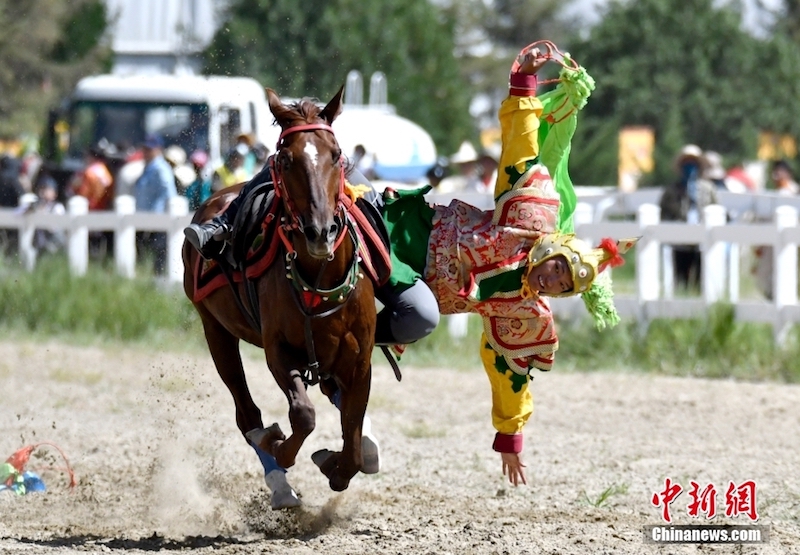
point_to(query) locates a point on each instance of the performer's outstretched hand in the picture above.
(513, 468)
(532, 61)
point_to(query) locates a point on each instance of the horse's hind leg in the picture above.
(224, 348)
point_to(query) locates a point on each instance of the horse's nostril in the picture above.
(310, 233)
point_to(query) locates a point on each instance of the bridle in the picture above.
(295, 219)
(308, 297)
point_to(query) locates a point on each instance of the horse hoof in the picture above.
(321, 457)
(370, 449)
(283, 496)
(274, 432)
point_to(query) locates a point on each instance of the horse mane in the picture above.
(305, 110)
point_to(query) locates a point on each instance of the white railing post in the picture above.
(648, 254)
(125, 236)
(784, 274)
(26, 233)
(734, 253)
(713, 266)
(178, 209)
(78, 242)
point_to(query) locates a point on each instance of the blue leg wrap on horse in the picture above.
(267, 461)
(337, 399)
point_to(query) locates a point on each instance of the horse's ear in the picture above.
(276, 106)
(334, 107)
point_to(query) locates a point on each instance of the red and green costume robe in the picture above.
(474, 260)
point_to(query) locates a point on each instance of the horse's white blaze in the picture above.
(312, 153)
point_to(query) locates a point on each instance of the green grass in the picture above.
(604, 497)
(97, 307)
(101, 308)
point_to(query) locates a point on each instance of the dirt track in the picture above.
(161, 465)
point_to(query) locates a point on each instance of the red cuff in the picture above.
(507, 443)
(522, 84)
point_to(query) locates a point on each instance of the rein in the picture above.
(308, 297)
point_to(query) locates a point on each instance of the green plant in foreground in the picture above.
(604, 497)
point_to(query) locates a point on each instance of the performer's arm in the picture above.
(519, 122)
(512, 406)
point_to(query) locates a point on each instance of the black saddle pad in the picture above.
(247, 225)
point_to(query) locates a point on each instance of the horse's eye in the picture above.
(336, 156)
(285, 159)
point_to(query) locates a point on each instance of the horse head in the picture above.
(308, 170)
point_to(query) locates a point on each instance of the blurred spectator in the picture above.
(465, 170)
(739, 181)
(95, 182)
(246, 141)
(200, 189)
(183, 172)
(684, 201)
(363, 161)
(437, 172)
(261, 152)
(153, 190)
(31, 163)
(46, 190)
(10, 185)
(131, 170)
(232, 170)
(486, 174)
(714, 171)
(783, 177)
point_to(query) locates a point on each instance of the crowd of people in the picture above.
(152, 173)
(700, 175)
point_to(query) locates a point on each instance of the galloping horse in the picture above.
(316, 311)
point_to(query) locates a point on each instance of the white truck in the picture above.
(208, 113)
(193, 112)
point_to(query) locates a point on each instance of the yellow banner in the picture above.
(636, 144)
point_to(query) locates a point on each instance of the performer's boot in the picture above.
(209, 238)
(384, 336)
(383, 328)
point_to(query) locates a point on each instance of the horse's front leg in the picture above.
(302, 416)
(341, 467)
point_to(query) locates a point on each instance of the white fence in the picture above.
(124, 221)
(721, 244)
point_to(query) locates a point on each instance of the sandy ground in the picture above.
(161, 466)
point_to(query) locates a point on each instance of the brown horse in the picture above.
(317, 312)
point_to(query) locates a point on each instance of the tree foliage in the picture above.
(45, 47)
(687, 69)
(490, 34)
(307, 49)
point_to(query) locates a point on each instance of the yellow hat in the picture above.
(585, 262)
